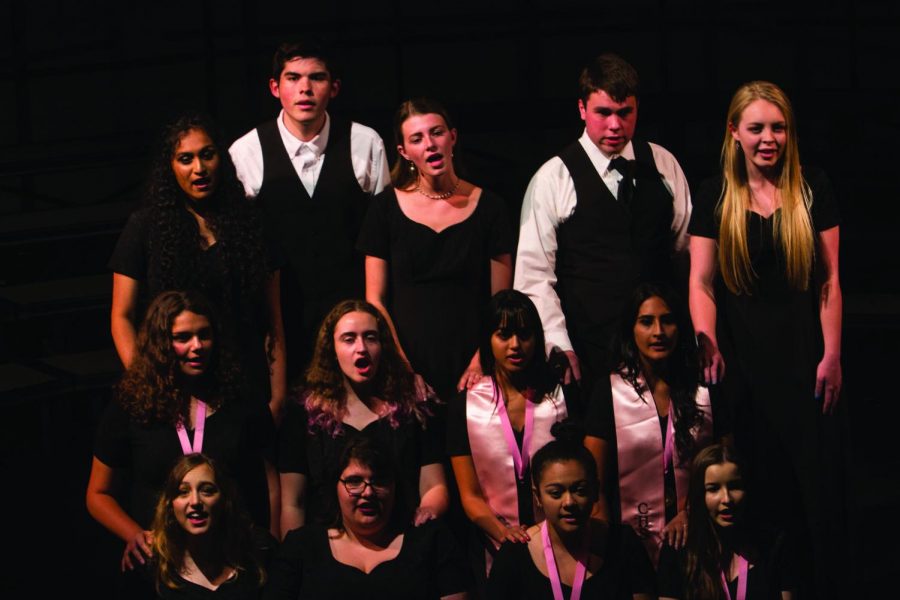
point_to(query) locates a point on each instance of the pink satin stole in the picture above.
(490, 453)
(640, 448)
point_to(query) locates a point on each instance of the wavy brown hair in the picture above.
(175, 245)
(325, 394)
(153, 390)
(231, 530)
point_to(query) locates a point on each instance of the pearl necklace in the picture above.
(443, 196)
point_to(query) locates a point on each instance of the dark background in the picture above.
(85, 86)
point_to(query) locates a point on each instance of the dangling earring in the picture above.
(412, 167)
(737, 146)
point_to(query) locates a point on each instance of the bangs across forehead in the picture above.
(513, 320)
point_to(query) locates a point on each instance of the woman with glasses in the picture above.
(357, 386)
(369, 549)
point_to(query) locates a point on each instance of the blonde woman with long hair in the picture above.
(773, 316)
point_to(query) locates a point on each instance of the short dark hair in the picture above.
(610, 73)
(305, 48)
(567, 445)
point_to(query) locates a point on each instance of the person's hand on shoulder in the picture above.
(566, 365)
(712, 364)
(829, 378)
(675, 533)
(137, 550)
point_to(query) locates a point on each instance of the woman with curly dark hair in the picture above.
(202, 540)
(357, 385)
(179, 396)
(197, 231)
(648, 419)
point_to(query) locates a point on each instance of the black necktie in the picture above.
(626, 186)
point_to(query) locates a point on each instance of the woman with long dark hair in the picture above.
(179, 396)
(649, 418)
(369, 548)
(728, 554)
(437, 248)
(495, 427)
(197, 231)
(202, 540)
(357, 386)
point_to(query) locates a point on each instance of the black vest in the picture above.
(605, 248)
(317, 235)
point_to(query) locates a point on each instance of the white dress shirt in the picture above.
(366, 154)
(550, 200)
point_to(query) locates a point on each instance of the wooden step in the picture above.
(54, 297)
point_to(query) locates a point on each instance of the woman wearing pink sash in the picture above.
(649, 418)
(496, 426)
(728, 555)
(569, 556)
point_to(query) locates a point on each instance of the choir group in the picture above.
(626, 403)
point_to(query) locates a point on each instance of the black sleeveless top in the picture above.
(317, 234)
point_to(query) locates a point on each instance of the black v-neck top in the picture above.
(317, 453)
(429, 565)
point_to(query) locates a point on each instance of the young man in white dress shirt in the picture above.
(604, 214)
(312, 176)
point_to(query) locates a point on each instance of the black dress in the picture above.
(771, 571)
(238, 437)
(242, 587)
(244, 323)
(317, 455)
(439, 282)
(626, 570)
(771, 341)
(429, 565)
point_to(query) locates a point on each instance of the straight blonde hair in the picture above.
(793, 224)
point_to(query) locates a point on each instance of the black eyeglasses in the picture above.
(356, 485)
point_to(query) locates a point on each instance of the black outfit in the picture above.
(429, 565)
(771, 571)
(607, 247)
(317, 455)
(244, 323)
(458, 443)
(600, 422)
(315, 233)
(238, 436)
(243, 587)
(771, 340)
(626, 570)
(439, 282)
